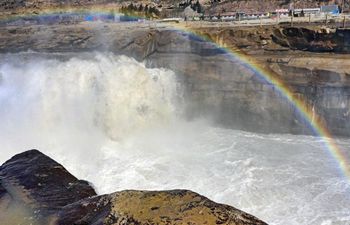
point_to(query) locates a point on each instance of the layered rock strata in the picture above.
(218, 85)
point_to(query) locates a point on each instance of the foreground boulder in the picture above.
(152, 207)
(35, 186)
(35, 189)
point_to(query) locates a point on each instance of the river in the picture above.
(118, 124)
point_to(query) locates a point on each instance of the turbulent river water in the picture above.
(110, 120)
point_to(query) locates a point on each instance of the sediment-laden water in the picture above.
(110, 120)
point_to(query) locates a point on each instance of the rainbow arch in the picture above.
(314, 121)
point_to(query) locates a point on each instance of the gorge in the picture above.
(152, 106)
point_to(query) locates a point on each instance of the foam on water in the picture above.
(110, 120)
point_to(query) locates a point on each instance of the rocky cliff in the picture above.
(34, 189)
(312, 61)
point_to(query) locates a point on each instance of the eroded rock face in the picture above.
(315, 40)
(218, 85)
(35, 189)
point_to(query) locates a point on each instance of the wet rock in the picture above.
(34, 189)
(33, 181)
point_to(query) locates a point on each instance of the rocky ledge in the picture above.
(34, 189)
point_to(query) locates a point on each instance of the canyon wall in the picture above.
(313, 61)
(218, 85)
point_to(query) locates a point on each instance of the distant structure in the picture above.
(228, 16)
(190, 14)
(281, 12)
(330, 9)
(306, 12)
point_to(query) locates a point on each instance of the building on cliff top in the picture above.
(330, 9)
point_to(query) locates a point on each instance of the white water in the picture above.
(113, 122)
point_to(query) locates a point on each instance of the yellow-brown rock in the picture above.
(153, 207)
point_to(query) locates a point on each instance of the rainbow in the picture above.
(314, 121)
